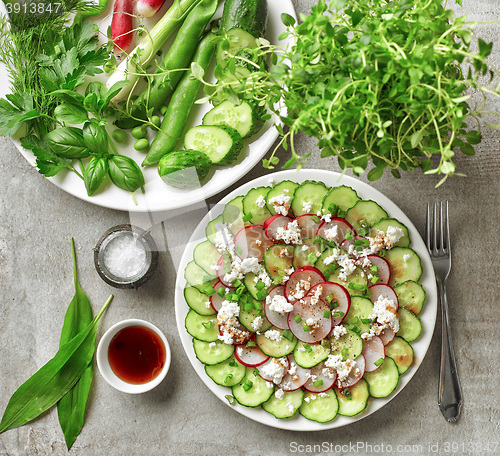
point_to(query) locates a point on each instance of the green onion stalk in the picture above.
(149, 46)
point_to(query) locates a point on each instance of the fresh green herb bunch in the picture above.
(380, 81)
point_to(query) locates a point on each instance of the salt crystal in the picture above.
(125, 256)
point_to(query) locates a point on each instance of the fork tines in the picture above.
(437, 229)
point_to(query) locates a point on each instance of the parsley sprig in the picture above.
(381, 84)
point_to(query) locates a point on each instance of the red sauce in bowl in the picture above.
(137, 354)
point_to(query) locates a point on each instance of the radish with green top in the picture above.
(122, 25)
(148, 8)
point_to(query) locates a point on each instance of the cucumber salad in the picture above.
(304, 299)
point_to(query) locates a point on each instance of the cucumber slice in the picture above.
(278, 259)
(283, 196)
(349, 346)
(401, 352)
(353, 400)
(249, 15)
(361, 309)
(411, 295)
(322, 408)
(202, 327)
(199, 278)
(308, 198)
(222, 145)
(255, 393)
(251, 286)
(227, 373)
(242, 118)
(306, 257)
(276, 348)
(410, 325)
(206, 255)
(384, 380)
(247, 317)
(308, 359)
(254, 205)
(233, 214)
(327, 269)
(281, 408)
(343, 197)
(215, 354)
(366, 210)
(384, 224)
(356, 283)
(197, 301)
(238, 40)
(405, 265)
(211, 230)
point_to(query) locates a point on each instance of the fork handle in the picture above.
(450, 395)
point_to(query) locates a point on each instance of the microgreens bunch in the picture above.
(376, 81)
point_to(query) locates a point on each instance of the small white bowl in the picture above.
(105, 368)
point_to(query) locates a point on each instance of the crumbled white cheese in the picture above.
(279, 304)
(275, 369)
(306, 399)
(280, 394)
(323, 395)
(343, 368)
(269, 384)
(214, 267)
(257, 323)
(331, 233)
(385, 240)
(207, 304)
(406, 257)
(290, 406)
(229, 325)
(290, 234)
(224, 240)
(273, 334)
(385, 315)
(338, 331)
(261, 201)
(316, 295)
(348, 267)
(281, 203)
(307, 206)
(305, 247)
(212, 344)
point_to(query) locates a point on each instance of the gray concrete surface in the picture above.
(181, 416)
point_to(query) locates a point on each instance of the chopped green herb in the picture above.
(374, 269)
(221, 291)
(247, 217)
(354, 328)
(312, 257)
(325, 343)
(305, 327)
(344, 352)
(257, 305)
(379, 362)
(308, 348)
(382, 253)
(316, 219)
(374, 279)
(261, 294)
(260, 285)
(250, 344)
(233, 297)
(207, 324)
(247, 306)
(347, 393)
(228, 377)
(357, 286)
(362, 232)
(288, 335)
(237, 283)
(361, 242)
(233, 364)
(349, 235)
(240, 290)
(338, 314)
(230, 399)
(327, 314)
(247, 385)
(366, 321)
(355, 320)
(318, 383)
(239, 250)
(297, 318)
(255, 372)
(332, 209)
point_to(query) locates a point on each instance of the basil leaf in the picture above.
(52, 381)
(90, 103)
(71, 113)
(125, 173)
(95, 137)
(94, 174)
(71, 407)
(68, 142)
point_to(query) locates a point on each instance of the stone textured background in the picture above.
(181, 416)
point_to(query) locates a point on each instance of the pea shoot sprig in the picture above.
(381, 84)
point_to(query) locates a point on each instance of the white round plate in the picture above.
(427, 316)
(158, 196)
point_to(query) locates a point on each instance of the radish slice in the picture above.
(278, 319)
(387, 335)
(356, 373)
(296, 377)
(272, 224)
(301, 281)
(252, 241)
(311, 315)
(373, 350)
(280, 361)
(221, 272)
(250, 356)
(308, 225)
(335, 230)
(384, 270)
(216, 300)
(316, 375)
(385, 292)
(122, 25)
(334, 292)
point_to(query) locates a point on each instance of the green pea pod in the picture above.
(181, 103)
(91, 11)
(95, 137)
(71, 408)
(67, 142)
(95, 173)
(53, 380)
(179, 56)
(125, 173)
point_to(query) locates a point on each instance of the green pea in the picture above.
(163, 110)
(141, 144)
(119, 136)
(139, 132)
(156, 121)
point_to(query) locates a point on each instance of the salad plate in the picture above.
(298, 422)
(157, 196)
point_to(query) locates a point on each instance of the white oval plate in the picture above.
(157, 195)
(427, 316)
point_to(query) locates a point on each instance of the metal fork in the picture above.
(437, 235)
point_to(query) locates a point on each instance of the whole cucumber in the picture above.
(180, 105)
(184, 168)
(248, 15)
